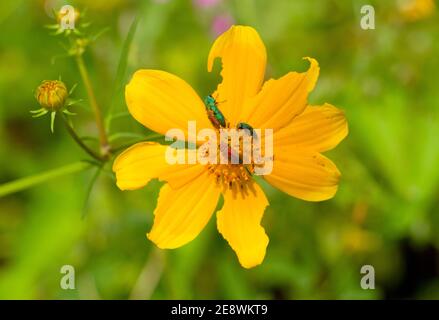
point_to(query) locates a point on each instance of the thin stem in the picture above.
(105, 147)
(27, 182)
(78, 140)
(149, 277)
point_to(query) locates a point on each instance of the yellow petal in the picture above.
(243, 57)
(162, 101)
(239, 221)
(144, 161)
(282, 99)
(303, 174)
(182, 213)
(318, 128)
(178, 175)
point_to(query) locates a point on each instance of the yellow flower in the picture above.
(413, 10)
(162, 101)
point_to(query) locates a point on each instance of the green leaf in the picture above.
(90, 189)
(118, 115)
(72, 89)
(99, 34)
(121, 69)
(52, 121)
(129, 135)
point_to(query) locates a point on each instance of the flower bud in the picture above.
(52, 94)
(63, 15)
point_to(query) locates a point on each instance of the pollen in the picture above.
(232, 175)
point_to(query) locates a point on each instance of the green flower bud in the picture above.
(52, 94)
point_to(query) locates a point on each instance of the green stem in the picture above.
(27, 182)
(105, 147)
(150, 276)
(78, 140)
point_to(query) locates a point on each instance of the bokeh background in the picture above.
(385, 213)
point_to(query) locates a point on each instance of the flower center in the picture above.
(228, 173)
(232, 175)
(239, 165)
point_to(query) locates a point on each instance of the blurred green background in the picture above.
(385, 213)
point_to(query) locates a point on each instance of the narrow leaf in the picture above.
(121, 69)
(90, 189)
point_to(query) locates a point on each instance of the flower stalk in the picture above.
(103, 139)
(79, 141)
(30, 181)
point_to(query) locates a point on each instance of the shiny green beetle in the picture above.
(243, 125)
(213, 112)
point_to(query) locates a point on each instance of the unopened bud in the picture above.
(52, 94)
(68, 14)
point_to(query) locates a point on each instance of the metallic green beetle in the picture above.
(243, 125)
(213, 112)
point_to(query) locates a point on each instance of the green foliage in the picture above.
(384, 212)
